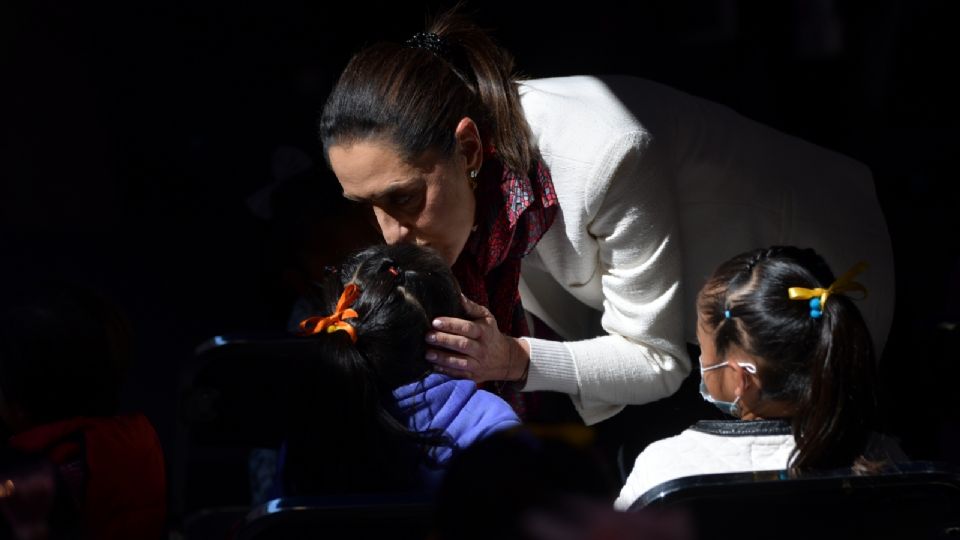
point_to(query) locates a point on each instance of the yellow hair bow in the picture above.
(335, 322)
(818, 297)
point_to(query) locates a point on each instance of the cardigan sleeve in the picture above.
(643, 356)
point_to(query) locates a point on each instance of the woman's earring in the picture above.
(473, 178)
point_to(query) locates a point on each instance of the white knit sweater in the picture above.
(656, 189)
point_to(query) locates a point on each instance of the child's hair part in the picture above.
(823, 366)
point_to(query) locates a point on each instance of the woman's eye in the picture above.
(404, 201)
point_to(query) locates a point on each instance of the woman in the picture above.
(617, 194)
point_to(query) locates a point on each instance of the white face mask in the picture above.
(731, 408)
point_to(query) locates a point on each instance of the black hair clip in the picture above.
(447, 51)
(429, 41)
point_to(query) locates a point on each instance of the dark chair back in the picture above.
(234, 397)
(916, 500)
(398, 517)
(238, 388)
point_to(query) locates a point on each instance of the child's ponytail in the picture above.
(835, 416)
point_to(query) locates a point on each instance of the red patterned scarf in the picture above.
(513, 212)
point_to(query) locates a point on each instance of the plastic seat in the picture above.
(238, 388)
(915, 500)
(398, 517)
(233, 398)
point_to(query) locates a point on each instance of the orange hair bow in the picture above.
(335, 322)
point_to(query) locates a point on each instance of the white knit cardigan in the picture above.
(656, 189)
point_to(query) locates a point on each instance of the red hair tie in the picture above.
(335, 322)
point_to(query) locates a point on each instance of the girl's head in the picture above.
(344, 389)
(783, 360)
(401, 289)
(407, 126)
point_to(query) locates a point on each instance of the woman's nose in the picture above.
(393, 230)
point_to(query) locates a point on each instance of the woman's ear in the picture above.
(469, 144)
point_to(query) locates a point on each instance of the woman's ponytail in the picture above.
(492, 70)
(413, 95)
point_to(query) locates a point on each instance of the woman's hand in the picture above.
(474, 348)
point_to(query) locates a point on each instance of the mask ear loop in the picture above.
(735, 408)
(747, 366)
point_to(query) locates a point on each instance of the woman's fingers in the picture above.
(450, 364)
(455, 373)
(453, 325)
(449, 361)
(473, 309)
(454, 342)
(474, 347)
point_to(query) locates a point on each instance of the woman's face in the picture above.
(428, 201)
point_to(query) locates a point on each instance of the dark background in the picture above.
(134, 135)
